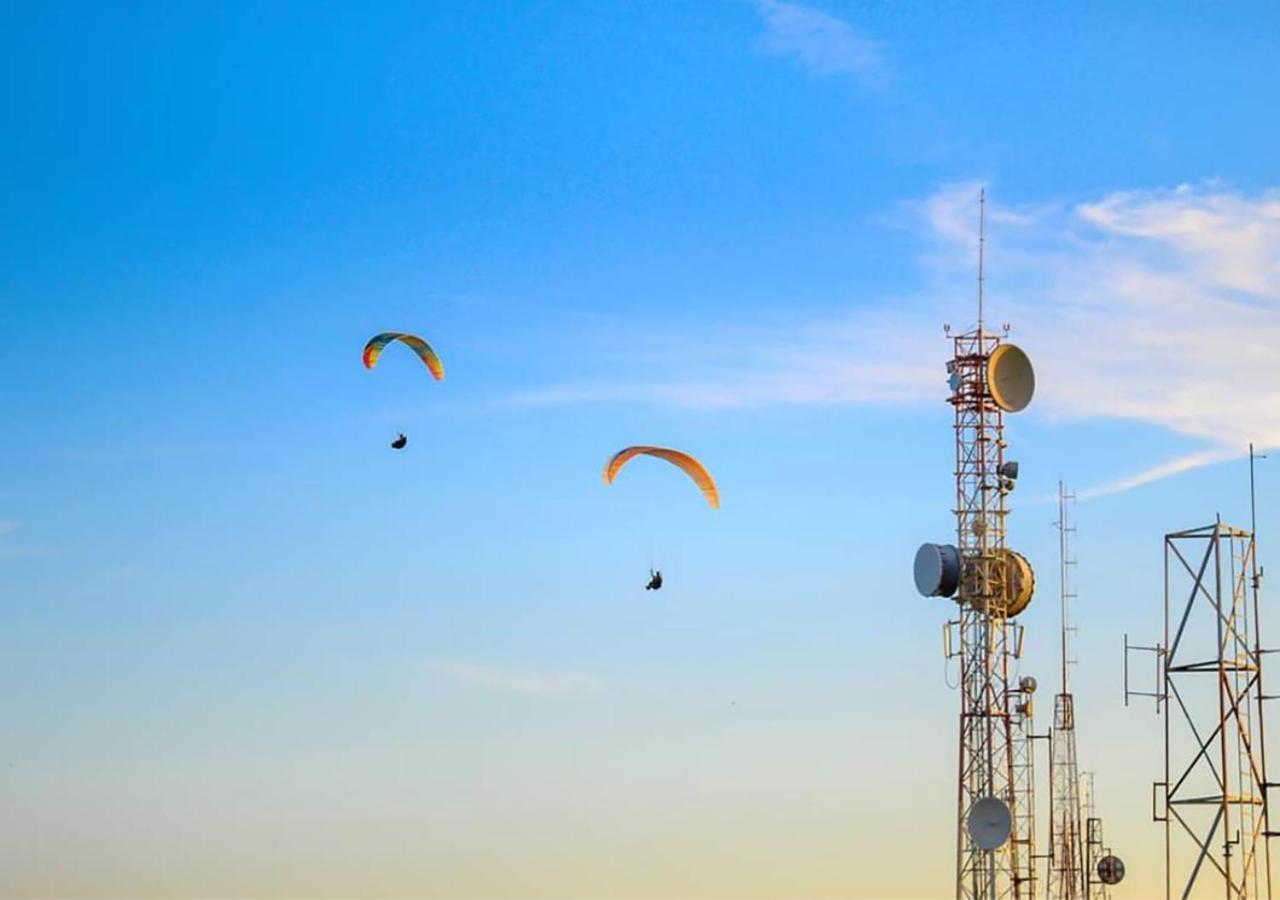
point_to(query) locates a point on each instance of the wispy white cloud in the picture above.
(1162, 470)
(809, 364)
(822, 43)
(522, 682)
(1160, 307)
(1226, 239)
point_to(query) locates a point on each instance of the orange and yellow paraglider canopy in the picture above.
(694, 469)
(373, 350)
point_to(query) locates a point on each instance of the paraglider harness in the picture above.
(655, 580)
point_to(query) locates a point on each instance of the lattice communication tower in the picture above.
(991, 585)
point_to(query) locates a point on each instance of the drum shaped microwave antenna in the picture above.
(1015, 572)
(1110, 870)
(990, 823)
(1010, 378)
(937, 570)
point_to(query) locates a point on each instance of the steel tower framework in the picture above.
(1209, 685)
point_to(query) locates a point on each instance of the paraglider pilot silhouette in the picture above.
(689, 465)
(373, 350)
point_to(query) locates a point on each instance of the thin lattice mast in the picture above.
(1067, 872)
(991, 585)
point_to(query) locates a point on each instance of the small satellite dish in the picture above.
(1010, 378)
(937, 570)
(1110, 870)
(990, 823)
(1028, 684)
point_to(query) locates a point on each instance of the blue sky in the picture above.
(235, 620)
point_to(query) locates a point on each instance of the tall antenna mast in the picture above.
(1068, 874)
(1065, 562)
(1255, 579)
(1253, 496)
(982, 241)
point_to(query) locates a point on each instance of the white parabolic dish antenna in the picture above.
(1010, 378)
(990, 823)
